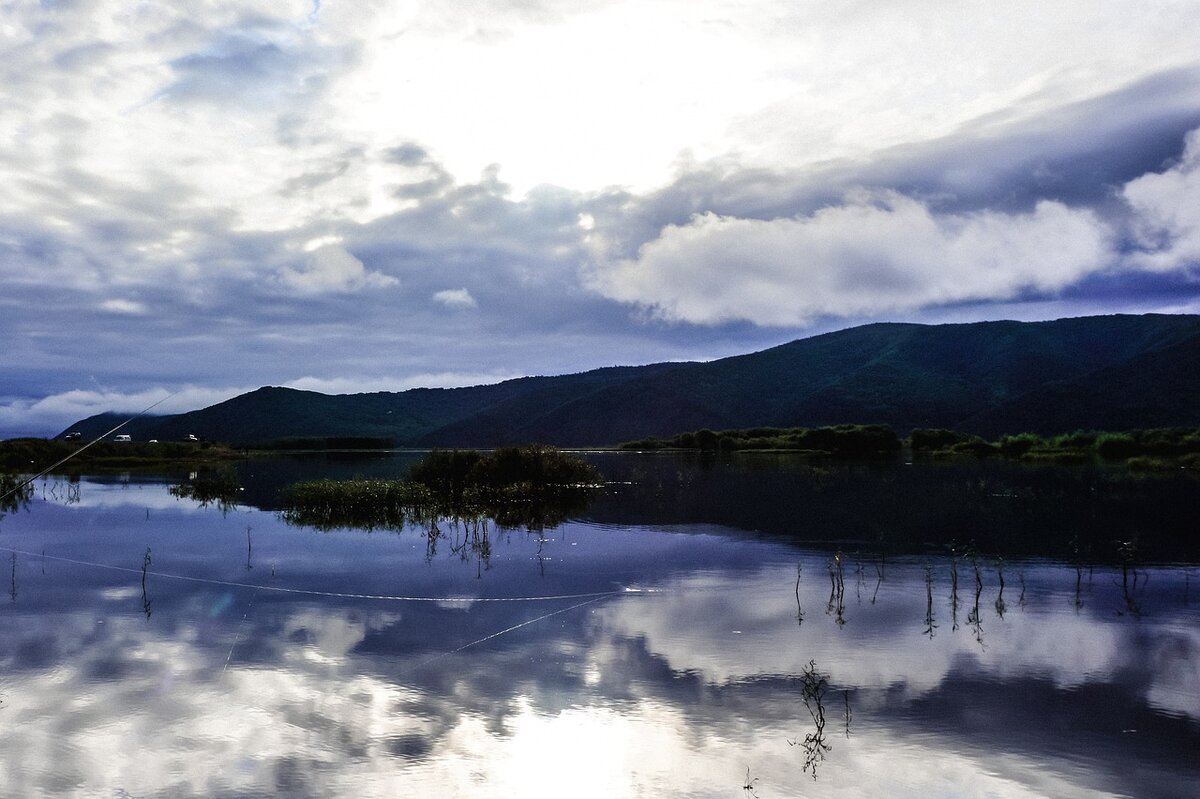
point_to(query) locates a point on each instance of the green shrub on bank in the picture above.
(1170, 446)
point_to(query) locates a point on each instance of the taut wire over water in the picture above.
(337, 594)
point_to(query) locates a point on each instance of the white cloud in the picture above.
(331, 269)
(126, 307)
(876, 253)
(50, 414)
(456, 298)
(1167, 209)
(354, 385)
(616, 93)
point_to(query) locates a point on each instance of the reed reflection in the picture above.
(930, 625)
(1000, 605)
(813, 687)
(837, 589)
(799, 607)
(974, 618)
(1127, 552)
(146, 602)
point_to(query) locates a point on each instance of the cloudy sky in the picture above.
(207, 197)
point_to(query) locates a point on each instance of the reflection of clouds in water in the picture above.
(875, 648)
(595, 707)
(112, 495)
(664, 694)
(1175, 671)
(329, 638)
(174, 722)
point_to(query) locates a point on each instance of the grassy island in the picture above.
(534, 486)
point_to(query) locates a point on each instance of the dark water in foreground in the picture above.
(152, 647)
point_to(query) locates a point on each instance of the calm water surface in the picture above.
(153, 647)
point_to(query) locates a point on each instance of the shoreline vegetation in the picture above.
(1158, 448)
(1140, 449)
(35, 454)
(1086, 510)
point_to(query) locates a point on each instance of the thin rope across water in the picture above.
(333, 594)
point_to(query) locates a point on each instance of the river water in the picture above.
(151, 646)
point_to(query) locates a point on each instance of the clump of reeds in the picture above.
(386, 504)
(534, 486)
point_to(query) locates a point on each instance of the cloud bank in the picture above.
(876, 254)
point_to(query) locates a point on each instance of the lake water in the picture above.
(742, 628)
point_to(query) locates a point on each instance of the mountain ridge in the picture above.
(990, 378)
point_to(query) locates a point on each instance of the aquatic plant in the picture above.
(748, 785)
(387, 504)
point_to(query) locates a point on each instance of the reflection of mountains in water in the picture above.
(1003, 508)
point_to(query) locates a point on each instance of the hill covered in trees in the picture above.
(985, 378)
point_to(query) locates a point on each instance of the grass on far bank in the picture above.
(1145, 450)
(35, 454)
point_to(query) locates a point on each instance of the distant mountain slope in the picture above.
(1113, 372)
(1158, 389)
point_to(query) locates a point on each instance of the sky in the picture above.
(201, 198)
